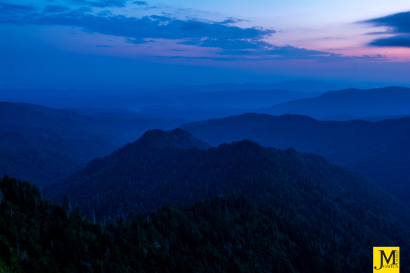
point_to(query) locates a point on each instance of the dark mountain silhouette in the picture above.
(379, 150)
(44, 144)
(317, 203)
(174, 167)
(356, 102)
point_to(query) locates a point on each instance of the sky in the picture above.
(86, 42)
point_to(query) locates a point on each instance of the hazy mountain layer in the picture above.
(356, 102)
(368, 118)
(44, 159)
(247, 99)
(299, 85)
(379, 150)
(43, 144)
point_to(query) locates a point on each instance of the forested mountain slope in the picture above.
(167, 167)
(298, 188)
(226, 234)
(214, 235)
(379, 150)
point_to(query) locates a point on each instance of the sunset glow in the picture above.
(253, 34)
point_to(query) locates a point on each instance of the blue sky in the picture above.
(97, 41)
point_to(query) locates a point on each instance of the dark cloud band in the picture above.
(398, 24)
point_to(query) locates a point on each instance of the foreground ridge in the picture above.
(220, 234)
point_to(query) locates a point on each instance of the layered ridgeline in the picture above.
(248, 99)
(329, 209)
(221, 100)
(206, 105)
(298, 85)
(41, 144)
(356, 102)
(226, 234)
(379, 150)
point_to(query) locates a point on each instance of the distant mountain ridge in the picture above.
(162, 95)
(122, 113)
(367, 118)
(42, 144)
(123, 130)
(381, 103)
(248, 99)
(21, 116)
(297, 85)
(357, 102)
(379, 150)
